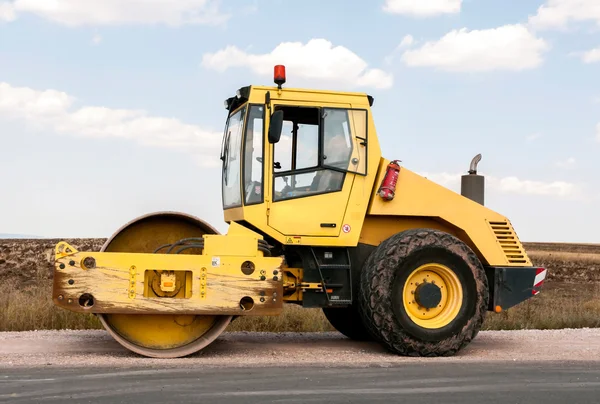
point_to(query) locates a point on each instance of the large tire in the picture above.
(388, 282)
(348, 321)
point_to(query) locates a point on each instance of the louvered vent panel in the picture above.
(512, 247)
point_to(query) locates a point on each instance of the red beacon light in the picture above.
(279, 75)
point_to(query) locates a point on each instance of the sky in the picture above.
(110, 110)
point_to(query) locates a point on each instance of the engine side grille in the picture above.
(510, 243)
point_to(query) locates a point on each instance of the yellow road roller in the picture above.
(318, 218)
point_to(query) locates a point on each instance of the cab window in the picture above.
(314, 152)
(230, 154)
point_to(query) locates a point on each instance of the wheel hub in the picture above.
(428, 295)
(432, 296)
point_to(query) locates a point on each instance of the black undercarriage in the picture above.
(339, 268)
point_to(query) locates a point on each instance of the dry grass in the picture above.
(33, 309)
(559, 306)
(544, 256)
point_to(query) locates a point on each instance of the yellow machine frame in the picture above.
(220, 281)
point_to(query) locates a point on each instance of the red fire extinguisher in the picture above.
(387, 188)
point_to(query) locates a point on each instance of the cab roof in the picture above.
(257, 93)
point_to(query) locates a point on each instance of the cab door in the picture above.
(310, 180)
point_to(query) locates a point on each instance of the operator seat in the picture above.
(338, 154)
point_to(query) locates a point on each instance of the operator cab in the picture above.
(291, 158)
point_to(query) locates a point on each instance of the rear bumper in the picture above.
(510, 286)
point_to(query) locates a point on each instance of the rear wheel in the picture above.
(161, 335)
(423, 293)
(348, 321)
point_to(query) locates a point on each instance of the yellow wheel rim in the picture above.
(432, 296)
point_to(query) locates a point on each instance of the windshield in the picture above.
(231, 153)
(253, 153)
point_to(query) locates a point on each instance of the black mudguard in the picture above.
(510, 286)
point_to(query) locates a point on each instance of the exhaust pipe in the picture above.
(473, 185)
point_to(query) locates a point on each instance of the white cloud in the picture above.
(510, 47)
(318, 59)
(7, 12)
(533, 137)
(109, 12)
(445, 179)
(422, 8)
(407, 41)
(591, 56)
(568, 163)
(528, 187)
(54, 109)
(557, 14)
(23, 102)
(512, 185)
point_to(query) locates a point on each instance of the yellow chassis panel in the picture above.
(489, 233)
(118, 282)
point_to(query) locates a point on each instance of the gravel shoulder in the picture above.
(97, 349)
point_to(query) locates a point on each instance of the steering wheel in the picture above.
(275, 164)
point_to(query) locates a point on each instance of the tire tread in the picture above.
(377, 277)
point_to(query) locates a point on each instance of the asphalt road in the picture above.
(463, 383)
(528, 366)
